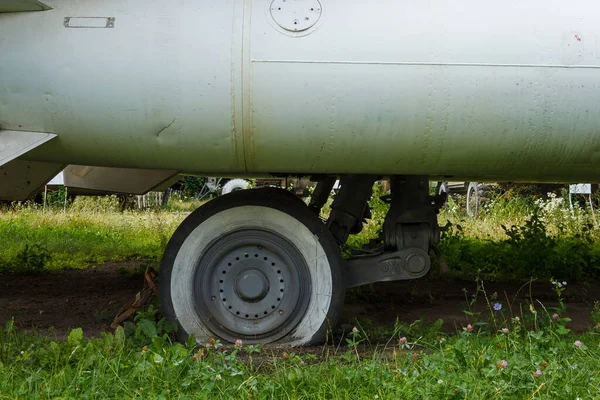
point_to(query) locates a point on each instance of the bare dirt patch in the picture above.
(56, 302)
(53, 303)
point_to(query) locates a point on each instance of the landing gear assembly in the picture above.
(261, 266)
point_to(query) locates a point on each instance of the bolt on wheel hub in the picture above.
(252, 282)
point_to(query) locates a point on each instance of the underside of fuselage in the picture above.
(238, 89)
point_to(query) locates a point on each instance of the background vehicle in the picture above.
(474, 193)
(477, 193)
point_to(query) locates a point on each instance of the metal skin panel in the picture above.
(502, 90)
(115, 180)
(7, 6)
(20, 179)
(15, 143)
(155, 90)
(474, 90)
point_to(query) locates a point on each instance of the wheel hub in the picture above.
(250, 284)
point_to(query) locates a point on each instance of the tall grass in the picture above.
(512, 237)
(84, 235)
(518, 238)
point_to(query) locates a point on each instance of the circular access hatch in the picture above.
(296, 15)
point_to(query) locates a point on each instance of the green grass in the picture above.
(506, 354)
(511, 238)
(79, 238)
(521, 238)
(533, 356)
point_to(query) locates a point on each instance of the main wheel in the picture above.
(473, 199)
(234, 185)
(442, 187)
(255, 265)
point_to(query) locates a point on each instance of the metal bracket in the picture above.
(408, 263)
(411, 220)
(348, 207)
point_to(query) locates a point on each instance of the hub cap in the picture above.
(251, 285)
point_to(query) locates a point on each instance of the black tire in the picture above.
(443, 190)
(281, 231)
(478, 194)
(442, 187)
(472, 199)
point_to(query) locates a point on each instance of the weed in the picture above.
(122, 271)
(595, 313)
(527, 250)
(149, 325)
(32, 259)
(57, 199)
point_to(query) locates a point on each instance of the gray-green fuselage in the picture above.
(474, 90)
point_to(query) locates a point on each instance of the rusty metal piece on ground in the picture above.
(150, 276)
(142, 299)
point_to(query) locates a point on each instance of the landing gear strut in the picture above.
(259, 265)
(410, 230)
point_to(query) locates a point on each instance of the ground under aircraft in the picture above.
(124, 95)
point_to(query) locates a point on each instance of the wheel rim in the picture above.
(251, 284)
(472, 201)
